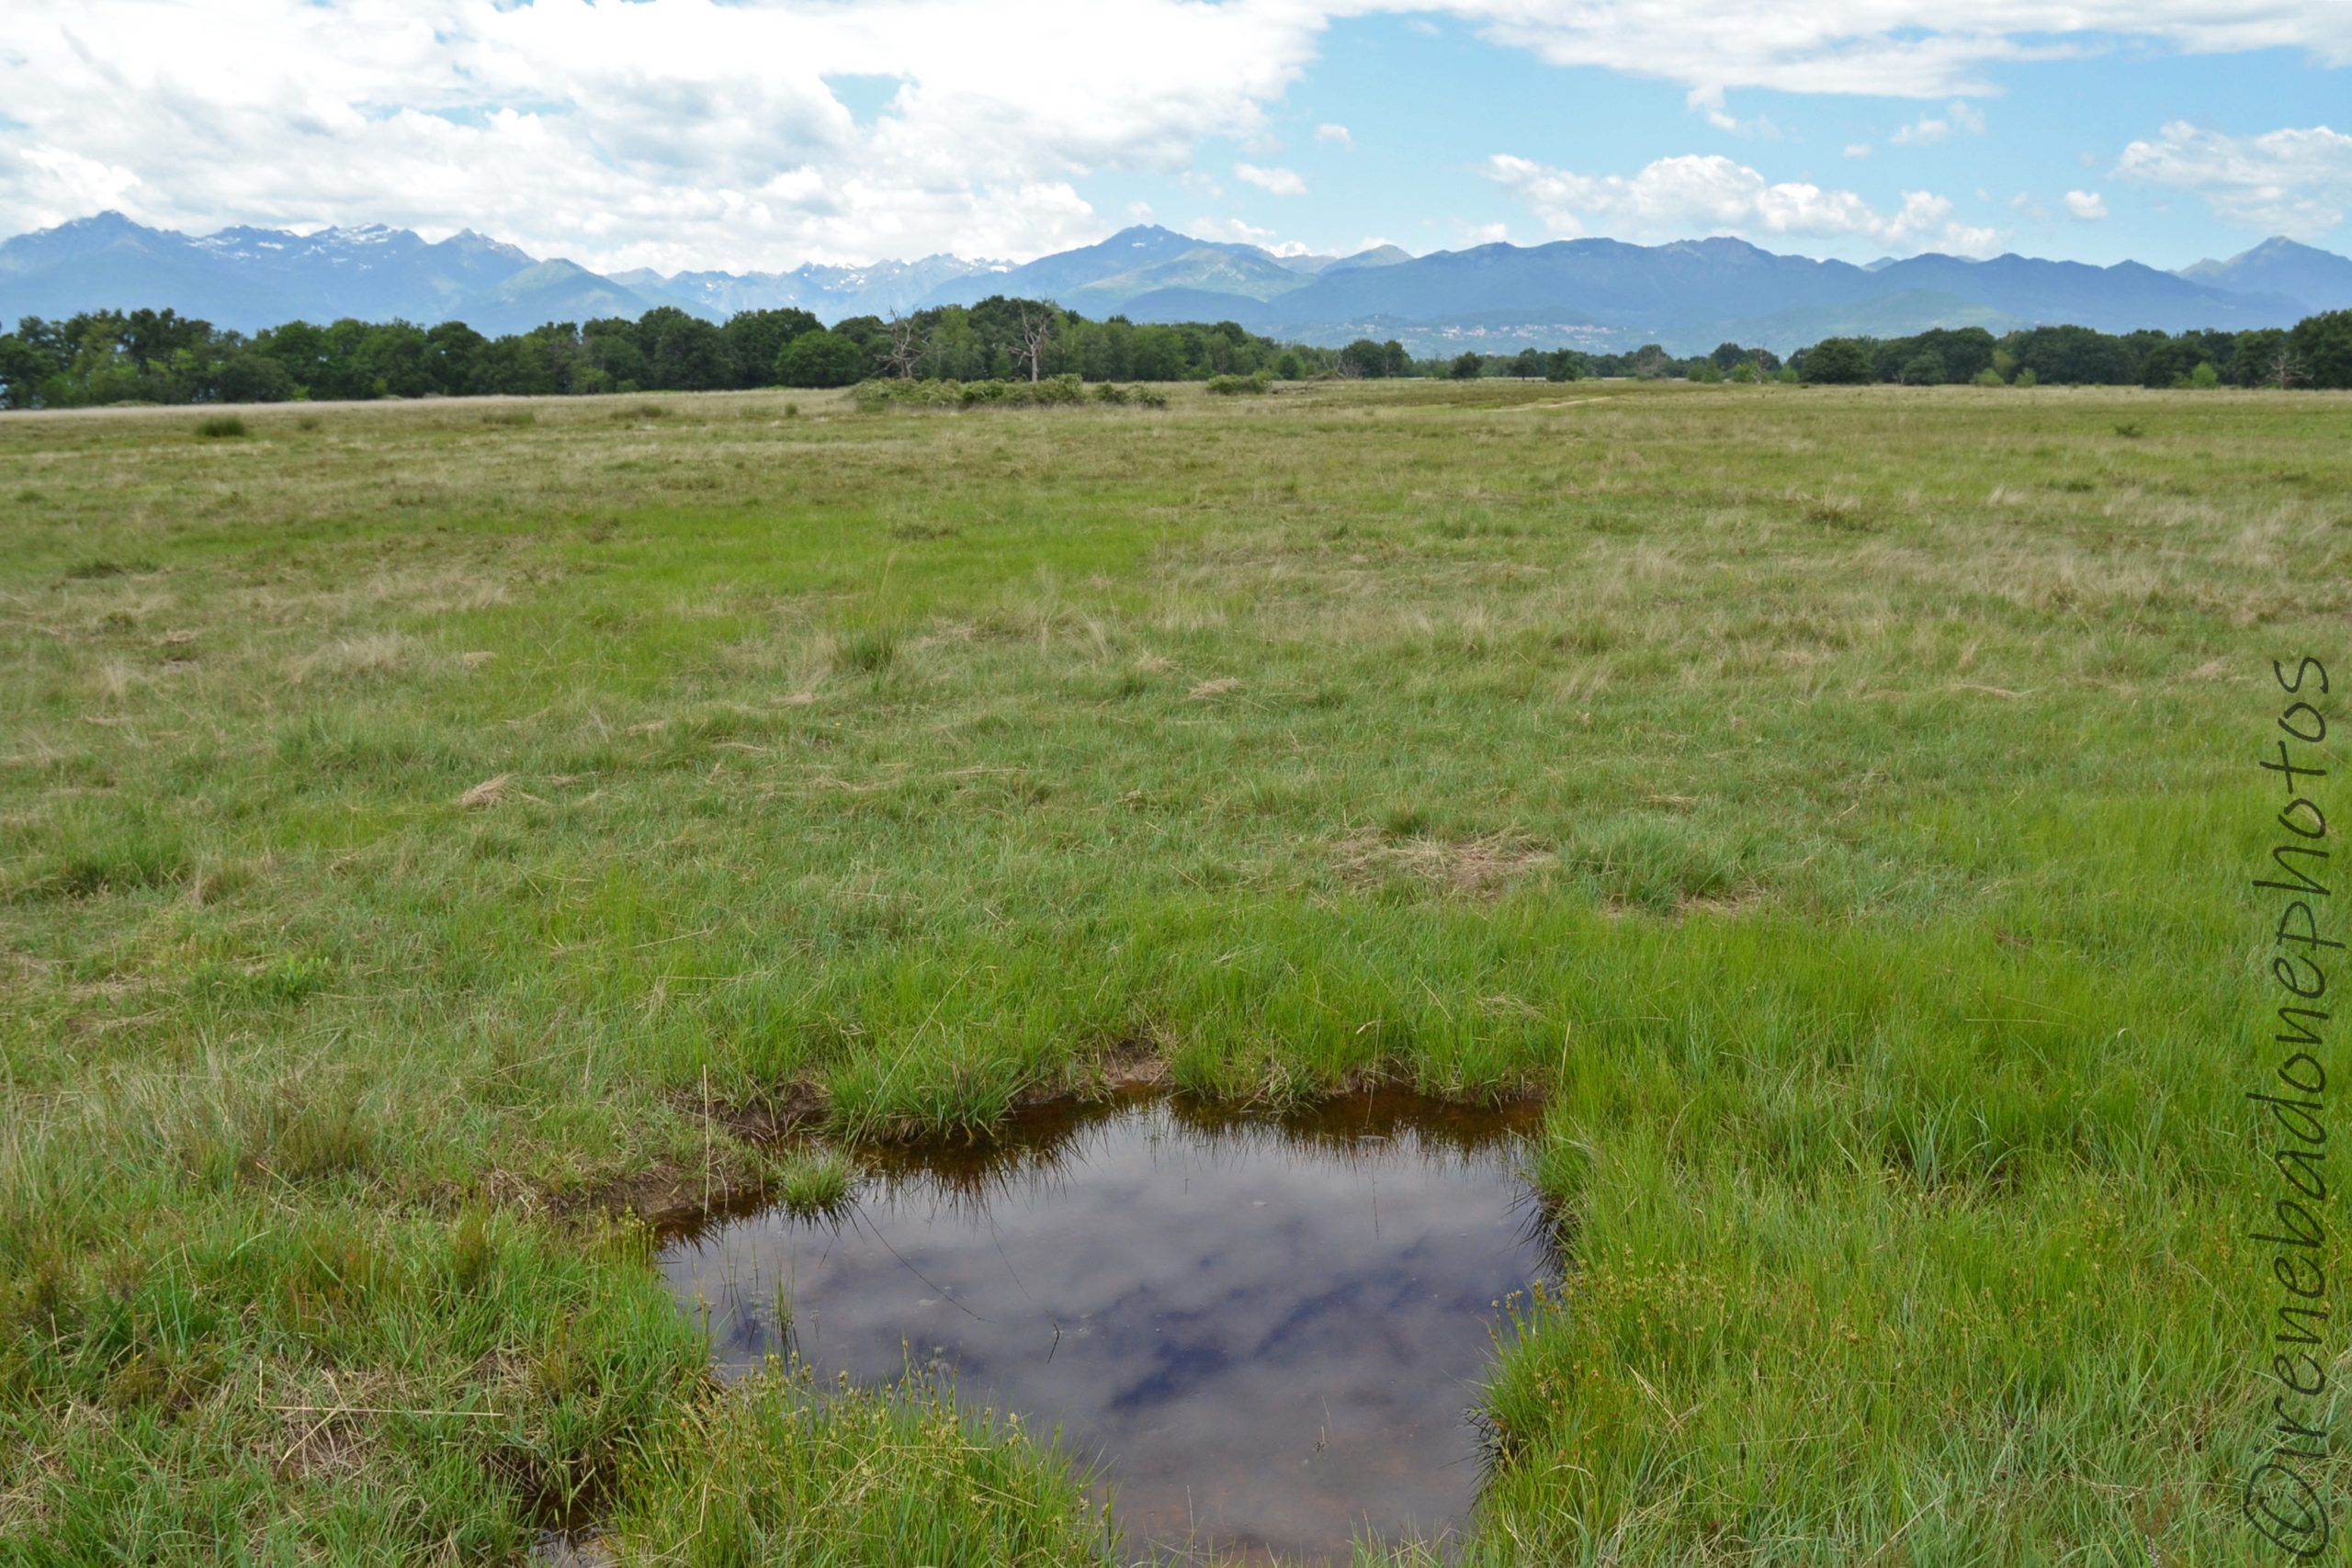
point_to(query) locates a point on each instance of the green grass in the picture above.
(430, 838)
(778, 1469)
(814, 1183)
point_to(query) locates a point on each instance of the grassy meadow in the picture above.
(438, 839)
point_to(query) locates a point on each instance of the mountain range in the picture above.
(1598, 294)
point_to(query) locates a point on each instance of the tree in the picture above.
(249, 376)
(22, 369)
(2168, 364)
(453, 353)
(1362, 357)
(1924, 371)
(393, 361)
(2284, 371)
(905, 355)
(683, 352)
(1840, 361)
(1035, 333)
(1465, 366)
(2321, 346)
(821, 359)
(2077, 356)
(753, 340)
(2252, 353)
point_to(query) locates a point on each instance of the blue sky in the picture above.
(1427, 104)
(761, 133)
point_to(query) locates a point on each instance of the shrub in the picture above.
(2026, 377)
(1988, 376)
(1235, 385)
(1054, 391)
(221, 428)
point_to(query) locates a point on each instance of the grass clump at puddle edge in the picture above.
(1865, 899)
(778, 1469)
(814, 1181)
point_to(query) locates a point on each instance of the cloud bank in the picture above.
(669, 132)
(1714, 195)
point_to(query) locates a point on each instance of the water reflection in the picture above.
(1267, 1333)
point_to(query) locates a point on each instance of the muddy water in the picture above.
(1265, 1335)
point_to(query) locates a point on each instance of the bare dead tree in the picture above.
(2284, 371)
(906, 355)
(1034, 335)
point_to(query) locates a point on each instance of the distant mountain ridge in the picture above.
(1601, 293)
(248, 279)
(2315, 277)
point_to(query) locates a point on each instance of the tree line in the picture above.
(159, 356)
(2316, 352)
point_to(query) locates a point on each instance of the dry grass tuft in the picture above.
(1481, 866)
(1222, 686)
(490, 792)
(375, 654)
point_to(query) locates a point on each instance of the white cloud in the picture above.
(2297, 183)
(1335, 136)
(2087, 204)
(1280, 182)
(1858, 149)
(1926, 131)
(1714, 195)
(668, 132)
(671, 132)
(1918, 49)
(1231, 229)
(1709, 100)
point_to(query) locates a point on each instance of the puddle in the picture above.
(1265, 1335)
